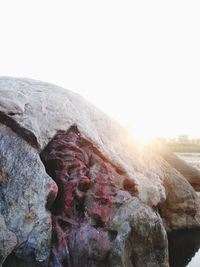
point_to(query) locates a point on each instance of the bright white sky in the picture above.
(139, 61)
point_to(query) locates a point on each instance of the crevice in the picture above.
(27, 135)
(88, 187)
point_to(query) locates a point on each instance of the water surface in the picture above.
(184, 248)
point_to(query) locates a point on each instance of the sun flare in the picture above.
(141, 134)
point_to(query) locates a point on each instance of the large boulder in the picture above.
(37, 110)
(110, 192)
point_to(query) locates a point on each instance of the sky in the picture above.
(138, 61)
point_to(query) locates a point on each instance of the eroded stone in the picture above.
(24, 189)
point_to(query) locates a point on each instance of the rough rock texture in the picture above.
(24, 188)
(110, 192)
(8, 240)
(188, 171)
(181, 208)
(39, 110)
(96, 212)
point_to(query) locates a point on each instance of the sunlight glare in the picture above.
(142, 134)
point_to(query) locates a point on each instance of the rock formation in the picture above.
(188, 171)
(76, 191)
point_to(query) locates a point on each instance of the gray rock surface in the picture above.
(141, 234)
(24, 188)
(8, 240)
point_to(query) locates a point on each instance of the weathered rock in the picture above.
(96, 212)
(181, 208)
(8, 241)
(189, 172)
(24, 188)
(141, 239)
(106, 212)
(39, 110)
